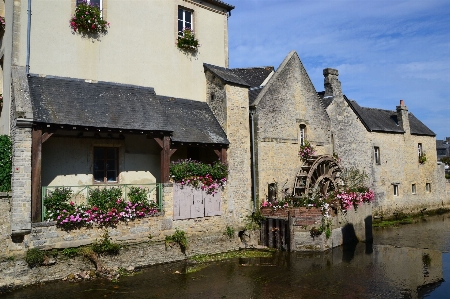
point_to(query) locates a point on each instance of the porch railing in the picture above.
(80, 194)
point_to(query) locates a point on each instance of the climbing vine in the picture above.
(5, 163)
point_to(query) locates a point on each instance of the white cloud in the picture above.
(384, 50)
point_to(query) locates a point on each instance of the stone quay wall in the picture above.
(142, 242)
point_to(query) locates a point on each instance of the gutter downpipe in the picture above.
(27, 67)
(253, 168)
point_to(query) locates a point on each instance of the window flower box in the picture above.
(187, 41)
(88, 20)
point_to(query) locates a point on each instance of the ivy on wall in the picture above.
(5, 163)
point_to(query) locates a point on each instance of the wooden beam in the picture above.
(46, 136)
(36, 163)
(223, 155)
(172, 151)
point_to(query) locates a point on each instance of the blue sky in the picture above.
(384, 50)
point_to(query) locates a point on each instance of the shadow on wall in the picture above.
(368, 228)
(349, 234)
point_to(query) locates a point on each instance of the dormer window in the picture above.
(185, 20)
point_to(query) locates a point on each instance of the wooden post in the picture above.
(36, 165)
(222, 154)
(164, 143)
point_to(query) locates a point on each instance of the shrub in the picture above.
(229, 231)
(104, 199)
(58, 201)
(5, 163)
(105, 245)
(178, 237)
(34, 257)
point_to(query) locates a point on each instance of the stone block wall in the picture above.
(5, 222)
(286, 102)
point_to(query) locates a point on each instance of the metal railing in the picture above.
(80, 194)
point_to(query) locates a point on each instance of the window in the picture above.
(419, 149)
(428, 187)
(92, 2)
(302, 135)
(185, 20)
(395, 190)
(376, 151)
(106, 164)
(413, 188)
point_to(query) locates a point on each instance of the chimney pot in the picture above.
(402, 103)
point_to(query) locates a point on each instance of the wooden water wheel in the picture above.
(320, 172)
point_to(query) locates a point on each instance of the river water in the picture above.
(411, 261)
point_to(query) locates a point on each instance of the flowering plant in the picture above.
(276, 205)
(199, 175)
(104, 208)
(306, 151)
(187, 41)
(2, 22)
(349, 199)
(88, 19)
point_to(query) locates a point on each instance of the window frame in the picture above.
(302, 134)
(377, 155)
(413, 189)
(89, 1)
(396, 190)
(183, 20)
(419, 150)
(105, 168)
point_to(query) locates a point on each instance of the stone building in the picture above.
(443, 148)
(390, 146)
(115, 109)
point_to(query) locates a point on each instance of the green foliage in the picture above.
(105, 198)
(57, 201)
(229, 231)
(253, 221)
(423, 158)
(426, 259)
(184, 169)
(105, 245)
(446, 160)
(447, 176)
(34, 257)
(5, 163)
(354, 179)
(70, 252)
(88, 20)
(187, 41)
(139, 195)
(178, 237)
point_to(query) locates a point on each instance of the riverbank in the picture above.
(15, 272)
(402, 218)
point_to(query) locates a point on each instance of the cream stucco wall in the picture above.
(139, 160)
(138, 49)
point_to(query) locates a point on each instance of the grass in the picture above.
(205, 258)
(402, 219)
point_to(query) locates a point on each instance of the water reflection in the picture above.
(392, 267)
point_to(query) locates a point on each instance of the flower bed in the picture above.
(105, 207)
(209, 178)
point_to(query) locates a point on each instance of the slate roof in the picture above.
(254, 76)
(253, 93)
(226, 74)
(193, 121)
(67, 101)
(379, 120)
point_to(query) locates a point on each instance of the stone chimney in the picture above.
(402, 116)
(332, 84)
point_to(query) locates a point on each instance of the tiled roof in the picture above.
(68, 101)
(221, 4)
(379, 120)
(226, 74)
